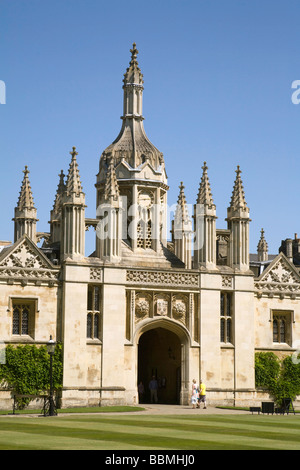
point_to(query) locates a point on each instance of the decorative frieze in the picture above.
(162, 278)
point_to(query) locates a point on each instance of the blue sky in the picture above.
(218, 77)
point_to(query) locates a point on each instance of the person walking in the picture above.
(195, 394)
(202, 394)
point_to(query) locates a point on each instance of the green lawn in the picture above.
(140, 432)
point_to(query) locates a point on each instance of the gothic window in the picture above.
(93, 329)
(226, 317)
(282, 327)
(23, 317)
(144, 226)
(144, 234)
(89, 330)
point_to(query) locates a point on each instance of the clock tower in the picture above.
(140, 174)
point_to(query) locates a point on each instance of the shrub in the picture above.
(26, 370)
(280, 378)
(267, 368)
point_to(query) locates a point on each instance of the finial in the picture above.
(73, 153)
(26, 171)
(61, 179)
(133, 73)
(134, 51)
(204, 167)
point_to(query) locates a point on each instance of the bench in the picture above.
(18, 396)
(255, 409)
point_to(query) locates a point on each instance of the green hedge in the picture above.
(280, 378)
(27, 370)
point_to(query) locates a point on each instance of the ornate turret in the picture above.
(205, 225)
(132, 144)
(109, 228)
(182, 230)
(139, 170)
(73, 214)
(25, 212)
(238, 224)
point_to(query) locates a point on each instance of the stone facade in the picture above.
(196, 306)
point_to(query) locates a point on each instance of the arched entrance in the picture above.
(159, 354)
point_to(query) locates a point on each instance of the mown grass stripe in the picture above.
(25, 441)
(247, 427)
(149, 432)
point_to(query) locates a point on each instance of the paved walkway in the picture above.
(183, 410)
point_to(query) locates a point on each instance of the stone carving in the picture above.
(142, 308)
(26, 263)
(142, 304)
(159, 304)
(227, 281)
(96, 274)
(24, 257)
(179, 309)
(280, 278)
(162, 307)
(180, 306)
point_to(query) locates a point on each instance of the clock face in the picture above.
(145, 200)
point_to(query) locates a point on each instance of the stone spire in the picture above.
(55, 214)
(204, 194)
(205, 226)
(238, 195)
(181, 214)
(61, 188)
(262, 247)
(25, 200)
(111, 187)
(182, 230)
(25, 212)
(238, 224)
(73, 185)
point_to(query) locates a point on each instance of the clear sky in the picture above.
(218, 76)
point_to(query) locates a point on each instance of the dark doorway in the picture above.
(159, 354)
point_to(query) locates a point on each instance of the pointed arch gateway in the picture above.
(162, 351)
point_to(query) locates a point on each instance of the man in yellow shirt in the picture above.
(202, 394)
